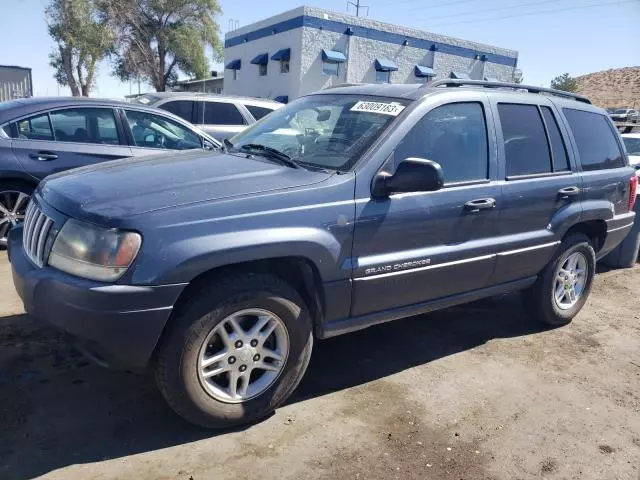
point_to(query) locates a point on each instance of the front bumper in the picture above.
(117, 325)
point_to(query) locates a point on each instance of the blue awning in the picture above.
(261, 59)
(421, 71)
(284, 54)
(333, 56)
(461, 75)
(385, 65)
(234, 64)
(282, 99)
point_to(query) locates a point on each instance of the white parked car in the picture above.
(632, 144)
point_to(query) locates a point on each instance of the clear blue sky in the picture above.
(576, 36)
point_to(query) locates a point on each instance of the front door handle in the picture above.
(568, 192)
(474, 206)
(43, 156)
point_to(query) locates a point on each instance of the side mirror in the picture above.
(412, 175)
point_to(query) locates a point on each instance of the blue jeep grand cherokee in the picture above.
(344, 209)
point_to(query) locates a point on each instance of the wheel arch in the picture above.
(595, 230)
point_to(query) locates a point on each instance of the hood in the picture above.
(136, 186)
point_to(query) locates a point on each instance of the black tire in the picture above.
(6, 188)
(177, 358)
(539, 299)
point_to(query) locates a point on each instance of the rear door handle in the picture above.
(568, 192)
(474, 206)
(43, 156)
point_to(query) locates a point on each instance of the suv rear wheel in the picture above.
(236, 351)
(564, 285)
(14, 198)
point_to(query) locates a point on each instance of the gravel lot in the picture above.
(474, 392)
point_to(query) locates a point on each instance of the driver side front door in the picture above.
(412, 248)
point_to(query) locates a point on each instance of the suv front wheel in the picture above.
(235, 351)
(564, 285)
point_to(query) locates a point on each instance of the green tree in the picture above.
(564, 82)
(157, 39)
(82, 41)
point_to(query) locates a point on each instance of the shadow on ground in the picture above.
(57, 409)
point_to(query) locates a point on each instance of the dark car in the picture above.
(42, 136)
(344, 209)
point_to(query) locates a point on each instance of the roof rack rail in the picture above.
(346, 84)
(454, 82)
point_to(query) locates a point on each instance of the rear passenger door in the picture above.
(221, 119)
(542, 189)
(58, 140)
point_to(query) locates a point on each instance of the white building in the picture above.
(307, 49)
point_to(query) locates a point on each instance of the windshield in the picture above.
(632, 145)
(621, 110)
(325, 131)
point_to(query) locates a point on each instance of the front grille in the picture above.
(35, 232)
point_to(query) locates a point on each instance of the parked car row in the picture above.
(341, 210)
(624, 115)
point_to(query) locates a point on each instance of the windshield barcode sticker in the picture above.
(392, 109)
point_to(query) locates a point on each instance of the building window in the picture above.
(284, 66)
(262, 69)
(383, 77)
(331, 68)
(235, 74)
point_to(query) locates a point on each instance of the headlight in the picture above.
(92, 252)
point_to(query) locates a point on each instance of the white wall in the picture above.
(274, 83)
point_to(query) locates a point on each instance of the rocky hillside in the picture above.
(618, 87)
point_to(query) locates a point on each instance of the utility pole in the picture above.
(357, 5)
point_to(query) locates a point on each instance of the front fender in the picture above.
(187, 258)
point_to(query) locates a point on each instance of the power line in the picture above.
(541, 12)
(358, 7)
(475, 12)
(437, 5)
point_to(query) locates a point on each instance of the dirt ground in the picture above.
(474, 392)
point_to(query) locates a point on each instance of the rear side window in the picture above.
(558, 149)
(181, 108)
(35, 128)
(453, 135)
(219, 113)
(595, 138)
(525, 141)
(85, 125)
(258, 112)
(7, 130)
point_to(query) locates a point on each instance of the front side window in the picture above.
(181, 108)
(453, 135)
(323, 131)
(155, 131)
(85, 125)
(383, 77)
(595, 138)
(331, 68)
(35, 128)
(284, 66)
(221, 113)
(525, 142)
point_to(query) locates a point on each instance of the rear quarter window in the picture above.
(595, 138)
(258, 112)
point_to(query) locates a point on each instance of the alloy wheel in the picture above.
(243, 355)
(571, 280)
(13, 205)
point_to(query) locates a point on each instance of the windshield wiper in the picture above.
(270, 153)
